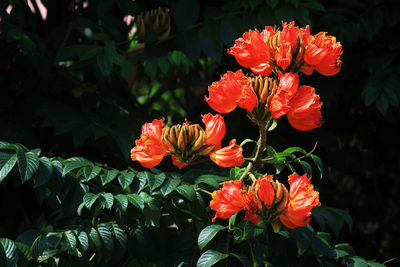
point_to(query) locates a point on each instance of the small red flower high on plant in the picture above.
(252, 52)
(302, 198)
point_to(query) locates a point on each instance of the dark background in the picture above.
(64, 89)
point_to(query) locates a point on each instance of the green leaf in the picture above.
(110, 51)
(169, 185)
(106, 236)
(344, 215)
(157, 180)
(83, 239)
(122, 202)
(210, 179)
(292, 150)
(186, 13)
(207, 234)
(318, 162)
(70, 240)
(104, 63)
(28, 164)
(108, 175)
(91, 172)
(119, 234)
(125, 179)
(375, 264)
(44, 172)
(303, 237)
(25, 253)
(136, 200)
(306, 167)
(109, 199)
(89, 199)
(210, 257)
(3, 257)
(94, 237)
(187, 191)
(356, 262)
(345, 247)
(72, 165)
(7, 162)
(10, 251)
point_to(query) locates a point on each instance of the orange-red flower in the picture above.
(229, 156)
(323, 52)
(287, 88)
(289, 33)
(300, 104)
(149, 149)
(215, 129)
(265, 191)
(302, 198)
(230, 91)
(228, 200)
(305, 109)
(252, 52)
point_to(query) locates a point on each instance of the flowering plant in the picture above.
(276, 58)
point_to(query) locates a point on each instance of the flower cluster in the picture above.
(185, 143)
(268, 200)
(286, 53)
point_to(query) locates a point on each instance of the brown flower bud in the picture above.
(154, 24)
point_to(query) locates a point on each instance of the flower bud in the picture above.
(154, 24)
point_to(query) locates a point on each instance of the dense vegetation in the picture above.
(76, 88)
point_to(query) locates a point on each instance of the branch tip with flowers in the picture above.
(276, 59)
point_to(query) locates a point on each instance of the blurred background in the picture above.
(79, 78)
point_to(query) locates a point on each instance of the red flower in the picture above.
(302, 198)
(229, 156)
(252, 52)
(305, 109)
(283, 55)
(231, 91)
(300, 104)
(228, 200)
(149, 149)
(323, 52)
(288, 85)
(177, 162)
(215, 129)
(265, 191)
(289, 33)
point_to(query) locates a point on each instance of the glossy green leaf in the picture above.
(169, 185)
(28, 164)
(207, 234)
(106, 236)
(10, 251)
(109, 199)
(210, 257)
(136, 200)
(125, 179)
(44, 172)
(7, 162)
(70, 240)
(89, 199)
(187, 191)
(122, 202)
(91, 172)
(108, 175)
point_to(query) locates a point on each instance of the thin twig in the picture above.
(203, 190)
